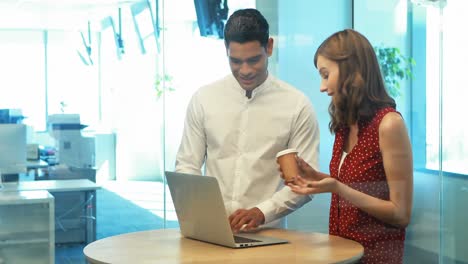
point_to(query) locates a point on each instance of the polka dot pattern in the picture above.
(363, 170)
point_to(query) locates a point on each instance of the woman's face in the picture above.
(329, 73)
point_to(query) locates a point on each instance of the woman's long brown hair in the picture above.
(361, 90)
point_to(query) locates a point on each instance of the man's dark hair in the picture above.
(246, 25)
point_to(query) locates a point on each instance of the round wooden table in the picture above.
(169, 246)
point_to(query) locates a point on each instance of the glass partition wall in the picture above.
(427, 32)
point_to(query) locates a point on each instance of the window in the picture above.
(38, 63)
(23, 74)
(72, 78)
(454, 92)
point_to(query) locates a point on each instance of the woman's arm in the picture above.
(398, 164)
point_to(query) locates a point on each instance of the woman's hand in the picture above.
(303, 186)
(307, 172)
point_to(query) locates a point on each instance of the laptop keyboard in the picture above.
(239, 239)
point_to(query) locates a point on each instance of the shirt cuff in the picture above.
(267, 208)
(272, 212)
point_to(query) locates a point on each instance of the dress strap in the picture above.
(381, 113)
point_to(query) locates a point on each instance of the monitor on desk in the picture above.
(12, 149)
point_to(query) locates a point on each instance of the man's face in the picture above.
(249, 62)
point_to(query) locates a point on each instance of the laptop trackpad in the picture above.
(239, 239)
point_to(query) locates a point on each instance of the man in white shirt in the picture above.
(236, 125)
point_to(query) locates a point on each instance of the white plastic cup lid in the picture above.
(286, 151)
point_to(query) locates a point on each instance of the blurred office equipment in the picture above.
(71, 180)
(38, 167)
(32, 152)
(12, 151)
(75, 207)
(30, 239)
(75, 160)
(79, 154)
(73, 149)
(63, 172)
(11, 116)
(47, 154)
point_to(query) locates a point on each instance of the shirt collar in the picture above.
(257, 90)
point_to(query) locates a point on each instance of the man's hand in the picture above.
(245, 220)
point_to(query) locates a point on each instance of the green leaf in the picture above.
(163, 84)
(395, 67)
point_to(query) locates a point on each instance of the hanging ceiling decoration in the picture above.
(56, 14)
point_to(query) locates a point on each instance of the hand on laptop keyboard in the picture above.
(247, 218)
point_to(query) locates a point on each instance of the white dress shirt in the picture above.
(237, 139)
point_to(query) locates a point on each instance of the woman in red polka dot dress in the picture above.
(371, 171)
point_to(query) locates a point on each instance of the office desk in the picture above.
(168, 246)
(75, 206)
(52, 185)
(36, 165)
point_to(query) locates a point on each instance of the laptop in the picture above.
(201, 213)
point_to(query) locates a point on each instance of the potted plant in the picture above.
(161, 82)
(395, 67)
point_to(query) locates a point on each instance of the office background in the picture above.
(104, 61)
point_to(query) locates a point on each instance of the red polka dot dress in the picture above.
(363, 170)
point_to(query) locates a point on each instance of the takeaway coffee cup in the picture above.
(287, 161)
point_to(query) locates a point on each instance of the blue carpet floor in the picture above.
(123, 207)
